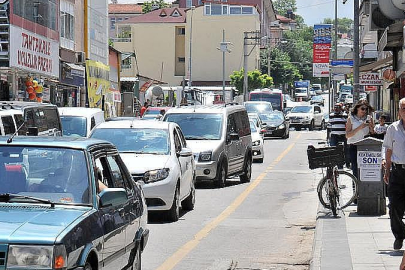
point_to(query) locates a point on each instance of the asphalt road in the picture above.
(268, 223)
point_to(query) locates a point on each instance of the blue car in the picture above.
(68, 203)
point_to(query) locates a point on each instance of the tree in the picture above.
(152, 5)
(281, 6)
(283, 71)
(344, 24)
(256, 80)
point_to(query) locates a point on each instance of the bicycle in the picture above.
(338, 188)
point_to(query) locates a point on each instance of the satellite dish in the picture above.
(389, 10)
(157, 91)
(399, 4)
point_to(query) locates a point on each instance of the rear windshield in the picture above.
(74, 126)
(258, 107)
(198, 126)
(274, 99)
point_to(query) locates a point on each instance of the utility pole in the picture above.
(335, 49)
(223, 48)
(356, 50)
(190, 41)
(250, 38)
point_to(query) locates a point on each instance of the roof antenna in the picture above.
(9, 140)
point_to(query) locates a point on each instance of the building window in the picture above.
(216, 9)
(235, 10)
(208, 9)
(112, 23)
(182, 59)
(189, 3)
(126, 63)
(225, 10)
(181, 31)
(43, 12)
(247, 10)
(67, 26)
(219, 9)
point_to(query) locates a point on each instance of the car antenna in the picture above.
(9, 140)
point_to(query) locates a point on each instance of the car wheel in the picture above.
(136, 265)
(323, 125)
(247, 175)
(298, 128)
(174, 212)
(221, 176)
(311, 126)
(189, 202)
(87, 266)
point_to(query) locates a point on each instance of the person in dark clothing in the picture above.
(394, 174)
(337, 127)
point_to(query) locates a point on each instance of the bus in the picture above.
(275, 97)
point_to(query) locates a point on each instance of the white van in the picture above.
(10, 121)
(80, 121)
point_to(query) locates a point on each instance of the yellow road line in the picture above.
(173, 260)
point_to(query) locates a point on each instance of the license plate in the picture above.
(269, 132)
(295, 121)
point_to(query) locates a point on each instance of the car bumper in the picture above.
(257, 151)
(159, 195)
(206, 170)
(276, 133)
(299, 122)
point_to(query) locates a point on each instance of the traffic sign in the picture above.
(342, 62)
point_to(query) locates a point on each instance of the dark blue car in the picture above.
(68, 203)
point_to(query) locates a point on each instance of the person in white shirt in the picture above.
(394, 175)
(381, 128)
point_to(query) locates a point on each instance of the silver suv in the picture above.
(220, 138)
(309, 116)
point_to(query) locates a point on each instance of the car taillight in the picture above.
(262, 131)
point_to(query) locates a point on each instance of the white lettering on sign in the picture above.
(370, 79)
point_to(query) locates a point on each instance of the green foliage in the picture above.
(255, 80)
(147, 6)
(344, 24)
(281, 6)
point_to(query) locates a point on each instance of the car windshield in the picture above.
(74, 126)
(48, 173)
(274, 99)
(252, 127)
(317, 98)
(271, 116)
(316, 87)
(136, 140)
(198, 126)
(300, 90)
(154, 112)
(301, 109)
(258, 107)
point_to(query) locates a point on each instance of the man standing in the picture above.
(394, 174)
(337, 127)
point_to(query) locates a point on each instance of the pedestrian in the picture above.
(359, 124)
(161, 114)
(381, 128)
(337, 127)
(394, 175)
(144, 107)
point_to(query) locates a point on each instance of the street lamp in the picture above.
(191, 37)
(223, 48)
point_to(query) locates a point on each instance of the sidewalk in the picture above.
(353, 242)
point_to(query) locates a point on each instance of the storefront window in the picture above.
(43, 12)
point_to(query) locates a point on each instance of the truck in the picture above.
(302, 90)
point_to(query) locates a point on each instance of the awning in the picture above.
(77, 67)
(129, 79)
(377, 65)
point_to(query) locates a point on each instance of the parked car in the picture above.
(349, 99)
(153, 113)
(220, 138)
(275, 125)
(156, 154)
(258, 106)
(257, 143)
(256, 120)
(317, 100)
(80, 121)
(70, 202)
(306, 116)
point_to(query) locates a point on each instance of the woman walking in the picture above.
(359, 124)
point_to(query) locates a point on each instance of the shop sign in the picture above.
(72, 76)
(370, 78)
(98, 83)
(46, 94)
(369, 164)
(370, 88)
(321, 49)
(320, 70)
(33, 52)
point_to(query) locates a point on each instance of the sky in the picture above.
(314, 11)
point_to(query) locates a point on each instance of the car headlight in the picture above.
(281, 126)
(36, 257)
(156, 175)
(256, 143)
(307, 117)
(205, 156)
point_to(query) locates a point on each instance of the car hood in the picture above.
(299, 114)
(140, 163)
(273, 123)
(34, 223)
(198, 146)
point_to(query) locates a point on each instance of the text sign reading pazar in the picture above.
(370, 79)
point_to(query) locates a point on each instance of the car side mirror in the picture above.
(113, 197)
(185, 152)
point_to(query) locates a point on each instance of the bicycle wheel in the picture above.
(348, 188)
(333, 195)
(323, 192)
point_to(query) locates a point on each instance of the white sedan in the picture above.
(257, 143)
(157, 156)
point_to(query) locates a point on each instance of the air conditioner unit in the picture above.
(80, 57)
(378, 21)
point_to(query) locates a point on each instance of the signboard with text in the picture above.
(33, 52)
(321, 49)
(370, 78)
(369, 164)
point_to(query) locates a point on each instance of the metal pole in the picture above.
(335, 48)
(189, 54)
(223, 66)
(356, 63)
(268, 57)
(245, 67)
